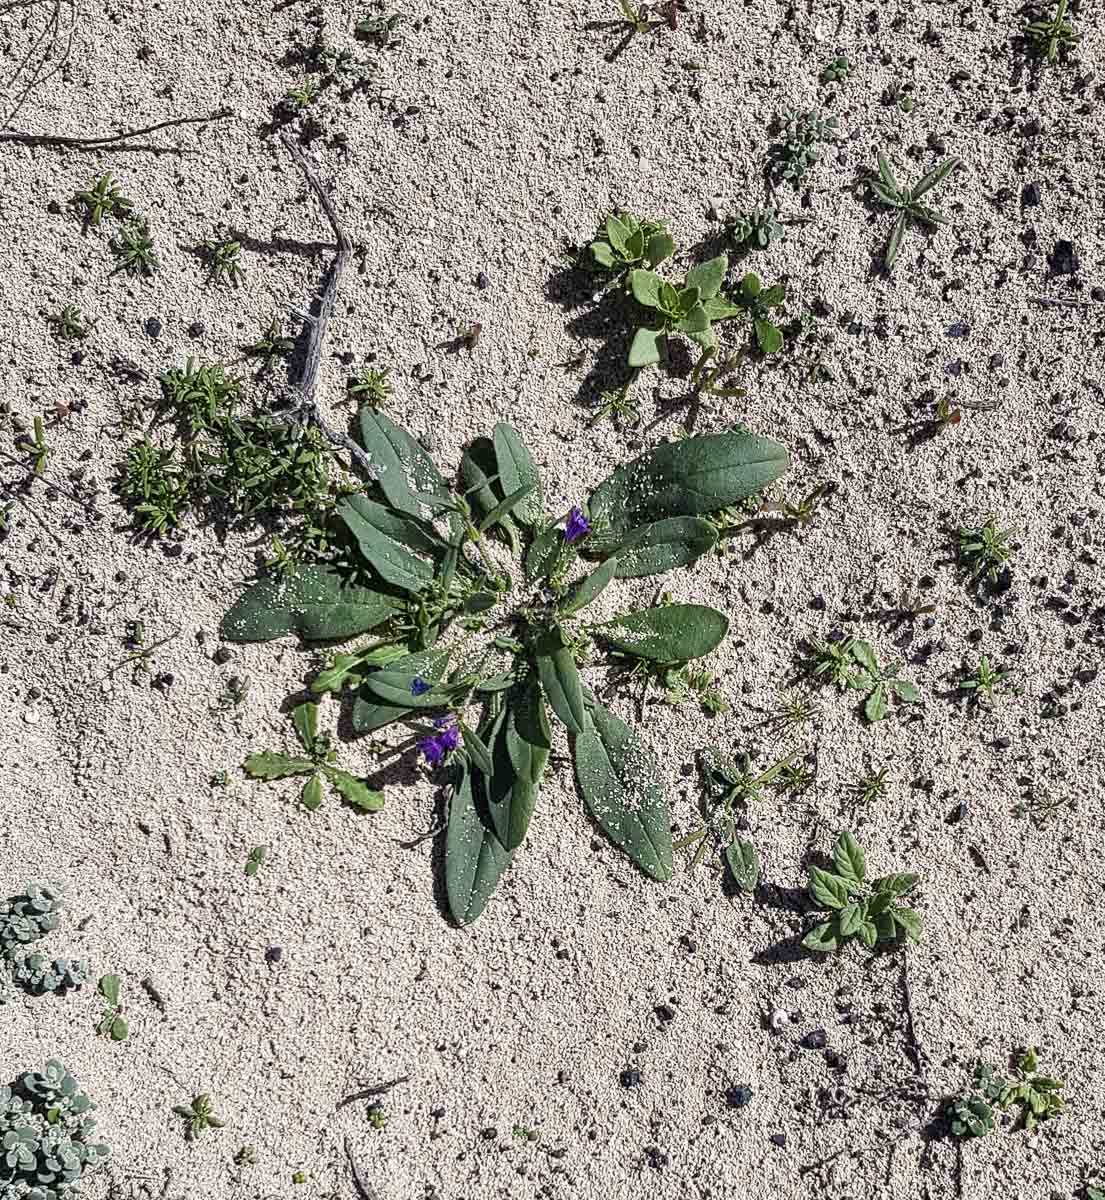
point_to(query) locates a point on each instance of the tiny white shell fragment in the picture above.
(779, 1018)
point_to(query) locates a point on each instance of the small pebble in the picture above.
(664, 1013)
(738, 1095)
(1098, 294)
(153, 327)
(32, 716)
(1030, 196)
(274, 954)
(197, 329)
(482, 281)
(817, 1039)
(630, 1078)
(1064, 258)
(779, 1139)
(489, 1134)
(780, 1018)
(222, 656)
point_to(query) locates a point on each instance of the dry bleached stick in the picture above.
(306, 409)
(95, 143)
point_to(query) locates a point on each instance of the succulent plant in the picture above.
(29, 916)
(46, 1130)
(799, 148)
(38, 974)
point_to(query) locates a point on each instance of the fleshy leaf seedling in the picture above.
(103, 199)
(198, 1116)
(907, 201)
(868, 910)
(112, 1023)
(758, 302)
(985, 551)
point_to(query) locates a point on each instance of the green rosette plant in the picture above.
(476, 596)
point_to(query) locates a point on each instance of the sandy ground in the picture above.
(504, 135)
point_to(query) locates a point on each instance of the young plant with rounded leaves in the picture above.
(868, 910)
(477, 597)
(625, 241)
(690, 310)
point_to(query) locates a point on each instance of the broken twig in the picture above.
(107, 139)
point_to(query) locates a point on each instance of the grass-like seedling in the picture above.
(477, 596)
(794, 710)
(272, 344)
(154, 486)
(796, 778)
(625, 242)
(688, 683)
(1052, 39)
(103, 199)
(868, 910)
(836, 71)
(802, 136)
(754, 230)
(616, 406)
(133, 249)
(317, 765)
(220, 256)
(39, 448)
(304, 95)
(112, 1023)
(70, 324)
(371, 387)
(985, 550)
(907, 201)
(758, 302)
(690, 310)
(981, 684)
(851, 663)
(871, 787)
(198, 1116)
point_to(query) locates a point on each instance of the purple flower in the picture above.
(419, 687)
(577, 525)
(446, 739)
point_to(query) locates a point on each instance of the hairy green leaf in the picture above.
(663, 546)
(769, 337)
(935, 176)
(909, 921)
(673, 633)
(355, 791)
(590, 587)
(646, 347)
(647, 288)
(898, 884)
(683, 478)
(512, 794)
(311, 796)
(708, 276)
(477, 749)
(305, 723)
(824, 938)
(561, 684)
(314, 603)
(543, 552)
(744, 863)
(110, 989)
(660, 246)
(620, 785)
(403, 468)
(268, 764)
(370, 713)
(851, 917)
(849, 859)
(475, 859)
(517, 469)
(828, 890)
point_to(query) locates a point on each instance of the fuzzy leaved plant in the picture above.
(476, 596)
(690, 310)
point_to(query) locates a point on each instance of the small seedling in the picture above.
(40, 451)
(299, 1177)
(618, 408)
(852, 663)
(944, 415)
(318, 766)
(796, 778)
(980, 685)
(219, 779)
(70, 323)
(255, 860)
(706, 375)
(198, 1116)
(970, 1117)
(794, 710)
(871, 787)
(299, 98)
(272, 343)
(1037, 1096)
(154, 486)
(837, 71)
(377, 1117)
(103, 200)
(371, 387)
(524, 1134)
(1052, 40)
(625, 242)
(246, 1157)
(220, 254)
(379, 28)
(758, 301)
(868, 911)
(685, 683)
(728, 787)
(756, 229)
(800, 148)
(802, 511)
(635, 18)
(985, 550)
(112, 1022)
(133, 250)
(690, 310)
(236, 691)
(907, 200)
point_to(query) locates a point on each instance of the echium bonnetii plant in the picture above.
(476, 597)
(46, 1136)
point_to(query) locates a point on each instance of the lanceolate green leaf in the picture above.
(355, 791)
(530, 719)
(849, 858)
(512, 793)
(475, 859)
(664, 545)
(673, 633)
(828, 890)
(394, 686)
(517, 469)
(590, 587)
(744, 863)
(270, 765)
(684, 478)
(403, 468)
(313, 603)
(825, 937)
(561, 684)
(376, 530)
(620, 783)
(543, 552)
(370, 712)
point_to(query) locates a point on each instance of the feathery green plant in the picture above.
(985, 550)
(220, 255)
